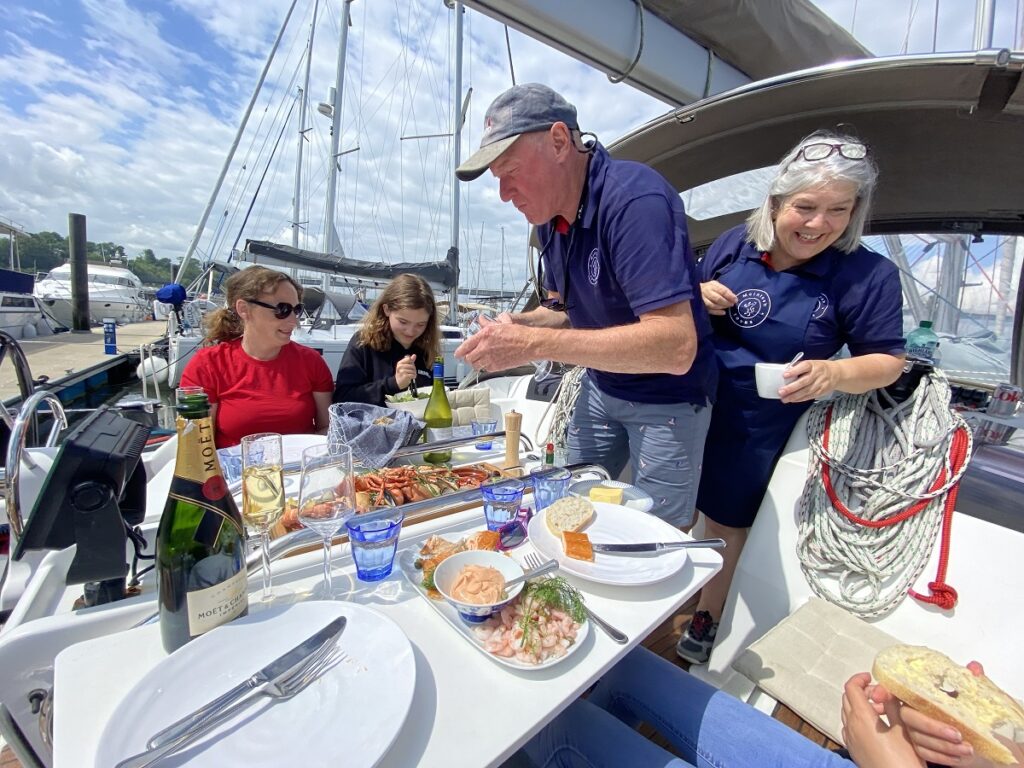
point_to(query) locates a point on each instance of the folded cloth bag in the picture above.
(373, 433)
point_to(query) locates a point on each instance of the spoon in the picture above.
(550, 565)
(799, 356)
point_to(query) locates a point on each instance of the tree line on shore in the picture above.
(40, 252)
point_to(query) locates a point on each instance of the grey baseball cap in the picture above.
(521, 109)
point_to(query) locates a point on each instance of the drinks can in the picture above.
(992, 433)
(1004, 400)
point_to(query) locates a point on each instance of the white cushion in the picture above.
(805, 660)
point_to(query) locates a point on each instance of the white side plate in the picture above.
(350, 716)
(615, 524)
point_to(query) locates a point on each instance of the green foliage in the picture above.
(42, 251)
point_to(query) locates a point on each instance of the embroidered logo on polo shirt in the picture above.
(751, 308)
(593, 267)
(820, 307)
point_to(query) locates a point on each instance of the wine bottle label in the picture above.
(200, 463)
(216, 605)
(438, 433)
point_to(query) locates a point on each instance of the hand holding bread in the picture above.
(947, 703)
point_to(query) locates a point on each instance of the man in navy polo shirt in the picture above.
(622, 300)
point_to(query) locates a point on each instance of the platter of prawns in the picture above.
(544, 626)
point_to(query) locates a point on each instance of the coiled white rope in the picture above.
(563, 402)
(881, 459)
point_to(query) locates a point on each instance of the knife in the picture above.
(658, 546)
(281, 664)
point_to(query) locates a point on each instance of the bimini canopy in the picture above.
(682, 50)
(945, 130)
(442, 275)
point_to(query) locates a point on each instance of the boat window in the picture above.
(968, 288)
(732, 194)
(18, 301)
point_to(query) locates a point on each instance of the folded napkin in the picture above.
(373, 433)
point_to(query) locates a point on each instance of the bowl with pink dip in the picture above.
(473, 583)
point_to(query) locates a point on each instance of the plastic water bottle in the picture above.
(923, 344)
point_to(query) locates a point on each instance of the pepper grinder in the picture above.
(513, 425)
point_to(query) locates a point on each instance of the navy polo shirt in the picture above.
(860, 302)
(627, 254)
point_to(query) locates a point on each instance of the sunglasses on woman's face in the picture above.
(281, 309)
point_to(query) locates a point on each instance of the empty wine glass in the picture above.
(542, 368)
(262, 492)
(326, 496)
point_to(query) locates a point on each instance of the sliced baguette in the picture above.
(934, 684)
(570, 513)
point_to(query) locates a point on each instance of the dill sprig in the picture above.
(541, 594)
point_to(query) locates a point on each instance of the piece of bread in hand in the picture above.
(577, 546)
(569, 513)
(934, 684)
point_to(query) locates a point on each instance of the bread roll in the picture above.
(570, 513)
(934, 684)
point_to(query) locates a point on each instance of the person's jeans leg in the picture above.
(595, 437)
(666, 446)
(711, 729)
(584, 736)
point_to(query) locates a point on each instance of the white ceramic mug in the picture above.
(769, 379)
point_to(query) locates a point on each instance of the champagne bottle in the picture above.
(200, 544)
(438, 415)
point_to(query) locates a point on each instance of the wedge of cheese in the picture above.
(606, 494)
(577, 546)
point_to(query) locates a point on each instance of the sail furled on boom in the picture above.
(441, 275)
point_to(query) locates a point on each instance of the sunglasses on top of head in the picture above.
(282, 309)
(821, 150)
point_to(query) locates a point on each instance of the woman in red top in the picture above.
(257, 378)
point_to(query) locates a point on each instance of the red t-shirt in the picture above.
(259, 395)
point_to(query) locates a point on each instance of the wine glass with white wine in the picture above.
(262, 492)
(326, 497)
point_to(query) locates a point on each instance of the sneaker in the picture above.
(698, 638)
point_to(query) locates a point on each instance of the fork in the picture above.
(189, 722)
(281, 688)
(620, 637)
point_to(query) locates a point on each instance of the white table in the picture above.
(458, 690)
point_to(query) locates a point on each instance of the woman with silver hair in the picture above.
(794, 280)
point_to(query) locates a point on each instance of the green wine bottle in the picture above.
(200, 544)
(438, 415)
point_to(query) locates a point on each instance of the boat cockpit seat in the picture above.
(804, 661)
(769, 586)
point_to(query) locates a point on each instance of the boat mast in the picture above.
(460, 118)
(339, 83)
(984, 20)
(303, 102)
(231, 152)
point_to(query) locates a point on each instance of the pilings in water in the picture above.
(79, 273)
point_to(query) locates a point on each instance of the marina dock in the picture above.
(75, 356)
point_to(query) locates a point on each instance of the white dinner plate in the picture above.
(406, 562)
(350, 716)
(632, 497)
(615, 524)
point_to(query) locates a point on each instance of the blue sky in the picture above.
(124, 110)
